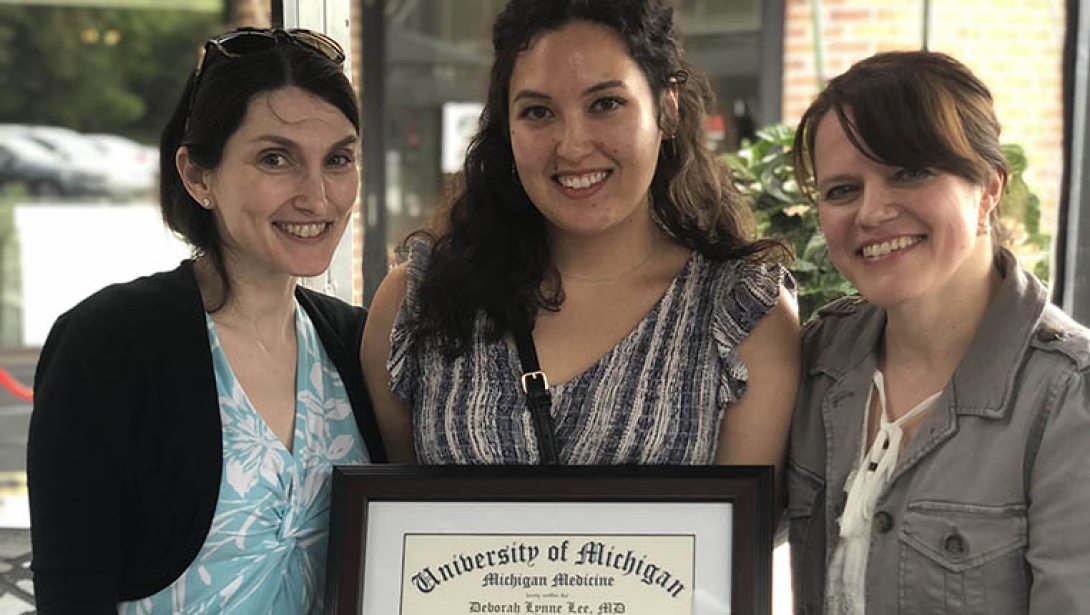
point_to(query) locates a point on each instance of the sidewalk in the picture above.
(16, 593)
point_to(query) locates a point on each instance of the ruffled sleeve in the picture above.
(404, 362)
(744, 295)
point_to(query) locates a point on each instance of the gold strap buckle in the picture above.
(531, 375)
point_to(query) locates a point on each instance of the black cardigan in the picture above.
(125, 449)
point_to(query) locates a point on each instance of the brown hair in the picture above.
(913, 109)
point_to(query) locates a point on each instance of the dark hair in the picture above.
(203, 122)
(489, 252)
(913, 109)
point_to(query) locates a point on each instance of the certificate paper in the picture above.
(415, 546)
(553, 573)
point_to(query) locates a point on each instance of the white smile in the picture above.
(584, 180)
(875, 250)
(310, 229)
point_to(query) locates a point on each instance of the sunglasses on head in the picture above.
(246, 41)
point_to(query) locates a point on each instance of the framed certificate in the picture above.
(595, 540)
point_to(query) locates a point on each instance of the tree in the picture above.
(97, 70)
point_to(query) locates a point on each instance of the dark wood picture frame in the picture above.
(749, 490)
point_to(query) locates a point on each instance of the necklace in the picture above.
(610, 278)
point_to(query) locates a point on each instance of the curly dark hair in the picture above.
(488, 242)
(203, 122)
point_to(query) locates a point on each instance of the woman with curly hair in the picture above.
(592, 231)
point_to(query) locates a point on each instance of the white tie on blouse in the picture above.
(844, 592)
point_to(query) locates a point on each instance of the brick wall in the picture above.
(1014, 46)
(357, 218)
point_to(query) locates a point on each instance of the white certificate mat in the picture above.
(548, 557)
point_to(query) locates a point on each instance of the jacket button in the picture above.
(955, 546)
(1049, 334)
(883, 522)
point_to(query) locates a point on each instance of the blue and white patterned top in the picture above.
(265, 553)
(657, 397)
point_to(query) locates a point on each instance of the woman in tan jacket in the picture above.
(939, 450)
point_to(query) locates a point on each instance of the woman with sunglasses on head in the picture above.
(939, 457)
(185, 424)
(595, 232)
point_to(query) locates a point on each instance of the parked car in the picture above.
(137, 164)
(27, 161)
(81, 156)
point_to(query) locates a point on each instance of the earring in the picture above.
(983, 228)
(206, 203)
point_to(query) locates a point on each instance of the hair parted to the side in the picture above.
(224, 91)
(489, 252)
(911, 109)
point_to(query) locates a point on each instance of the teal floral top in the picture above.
(266, 550)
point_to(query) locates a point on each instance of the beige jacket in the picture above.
(988, 509)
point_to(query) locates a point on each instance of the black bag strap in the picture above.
(536, 387)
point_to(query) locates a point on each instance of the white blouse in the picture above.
(845, 591)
